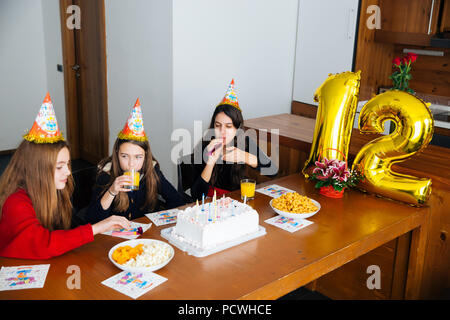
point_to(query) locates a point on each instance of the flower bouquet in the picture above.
(333, 177)
(400, 78)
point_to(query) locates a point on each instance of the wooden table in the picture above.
(295, 138)
(264, 268)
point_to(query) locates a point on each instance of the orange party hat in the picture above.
(134, 127)
(230, 97)
(45, 128)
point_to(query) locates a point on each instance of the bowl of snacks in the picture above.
(294, 205)
(141, 255)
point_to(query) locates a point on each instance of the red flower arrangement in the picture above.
(401, 77)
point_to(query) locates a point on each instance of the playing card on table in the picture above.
(274, 190)
(288, 224)
(134, 284)
(129, 233)
(163, 217)
(23, 277)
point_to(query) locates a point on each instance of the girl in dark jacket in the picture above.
(112, 195)
(225, 157)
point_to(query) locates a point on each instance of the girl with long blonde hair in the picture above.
(112, 195)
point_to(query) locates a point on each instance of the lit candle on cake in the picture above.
(203, 202)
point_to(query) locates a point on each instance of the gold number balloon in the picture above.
(338, 98)
(413, 132)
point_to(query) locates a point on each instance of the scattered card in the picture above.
(274, 190)
(288, 224)
(23, 277)
(131, 233)
(163, 217)
(134, 284)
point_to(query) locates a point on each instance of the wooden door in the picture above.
(84, 58)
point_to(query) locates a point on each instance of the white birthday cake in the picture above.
(207, 225)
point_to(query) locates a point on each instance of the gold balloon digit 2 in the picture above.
(413, 131)
(338, 97)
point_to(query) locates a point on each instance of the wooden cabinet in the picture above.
(410, 16)
(410, 24)
(445, 17)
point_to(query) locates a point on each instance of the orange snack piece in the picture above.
(122, 254)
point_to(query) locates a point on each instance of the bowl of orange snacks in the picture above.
(294, 205)
(141, 255)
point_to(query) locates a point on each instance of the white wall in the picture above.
(325, 42)
(252, 41)
(30, 49)
(179, 57)
(53, 57)
(139, 60)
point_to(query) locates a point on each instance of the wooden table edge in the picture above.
(297, 278)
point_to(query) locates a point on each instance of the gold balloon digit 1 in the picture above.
(413, 132)
(338, 99)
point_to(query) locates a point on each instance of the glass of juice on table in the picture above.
(134, 174)
(248, 188)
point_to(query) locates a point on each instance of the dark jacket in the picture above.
(228, 176)
(136, 198)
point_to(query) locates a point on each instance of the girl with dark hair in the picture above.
(226, 156)
(35, 192)
(131, 151)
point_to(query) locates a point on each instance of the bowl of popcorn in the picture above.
(294, 205)
(141, 255)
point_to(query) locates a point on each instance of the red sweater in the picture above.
(22, 235)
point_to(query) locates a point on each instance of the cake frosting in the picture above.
(206, 226)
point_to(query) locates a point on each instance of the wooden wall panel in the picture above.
(430, 74)
(372, 58)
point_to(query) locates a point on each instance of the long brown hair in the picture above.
(238, 170)
(148, 175)
(32, 168)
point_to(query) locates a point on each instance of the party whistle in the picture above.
(214, 149)
(217, 146)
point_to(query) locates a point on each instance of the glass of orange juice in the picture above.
(134, 174)
(248, 188)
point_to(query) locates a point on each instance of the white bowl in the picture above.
(296, 215)
(134, 243)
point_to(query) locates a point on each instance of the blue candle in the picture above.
(203, 201)
(209, 212)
